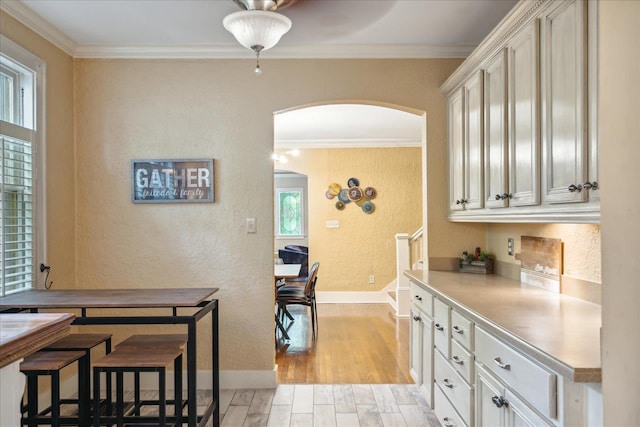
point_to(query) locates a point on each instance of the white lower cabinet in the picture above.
(498, 406)
(421, 343)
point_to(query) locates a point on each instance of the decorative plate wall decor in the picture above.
(352, 193)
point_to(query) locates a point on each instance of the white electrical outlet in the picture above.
(372, 279)
(333, 224)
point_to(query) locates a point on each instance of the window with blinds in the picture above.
(17, 178)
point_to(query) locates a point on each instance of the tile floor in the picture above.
(339, 405)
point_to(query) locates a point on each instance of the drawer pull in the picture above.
(458, 329)
(418, 297)
(457, 360)
(446, 422)
(438, 327)
(498, 362)
(416, 318)
(447, 383)
(499, 401)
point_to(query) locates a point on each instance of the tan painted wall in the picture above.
(127, 109)
(364, 244)
(582, 257)
(619, 127)
(60, 174)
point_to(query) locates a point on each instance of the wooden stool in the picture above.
(47, 363)
(136, 360)
(84, 342)
(152, 341)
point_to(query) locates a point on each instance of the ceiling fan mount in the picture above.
(268, 5)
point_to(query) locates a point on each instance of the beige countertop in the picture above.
(24, 333)
(560, 332)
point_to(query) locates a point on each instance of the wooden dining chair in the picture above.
(299, 295)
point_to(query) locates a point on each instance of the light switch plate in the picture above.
(333, 224)
(251, 225)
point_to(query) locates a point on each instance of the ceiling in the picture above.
(321, 29)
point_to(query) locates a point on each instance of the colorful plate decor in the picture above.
(343, 195)
(329, 195)
(334, 188)
(370, 193)
(355, 194)
(353, 182)
(339, 205)
(368, 207)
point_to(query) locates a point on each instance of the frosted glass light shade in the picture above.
(257, 27)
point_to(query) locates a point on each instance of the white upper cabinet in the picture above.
(495, 140)
(563, 104)
(474, 195)
(524, 130)
(466, 126)
(522, 119)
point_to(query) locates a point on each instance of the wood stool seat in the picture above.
(47, 363)
(155, 341)
(132, 359)
(79, 341)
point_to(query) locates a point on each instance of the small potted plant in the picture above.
(480, 262)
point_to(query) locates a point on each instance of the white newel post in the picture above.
(12, 387)
(403, 262)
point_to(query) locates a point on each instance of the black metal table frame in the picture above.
(213, 409)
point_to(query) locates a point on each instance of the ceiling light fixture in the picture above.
(258, 27)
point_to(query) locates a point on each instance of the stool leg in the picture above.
(96, 397)
(177, 385)
(108, 379)
(120, 398)
(84, 388)
(136, 392)
(55, 399)
(162, 384)
(32, 399)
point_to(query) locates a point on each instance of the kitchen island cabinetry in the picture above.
(421, 343)
(512, 354)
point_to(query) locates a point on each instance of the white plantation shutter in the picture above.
(19, 101)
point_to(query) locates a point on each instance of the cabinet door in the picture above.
(473, 137)
(489, 400)
(427, 360)
(518, 414)
(524, 136)
(495, 140)
(564, 146)
(456, 151)
(415, 346)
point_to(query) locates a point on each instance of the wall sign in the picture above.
(172, 181)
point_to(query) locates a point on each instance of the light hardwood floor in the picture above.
(356, 344)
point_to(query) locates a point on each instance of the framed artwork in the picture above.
(290, 218)
(172, 181)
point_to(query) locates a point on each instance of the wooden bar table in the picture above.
(196, 301)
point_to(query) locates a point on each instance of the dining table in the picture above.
(146, 306)
(284, 271)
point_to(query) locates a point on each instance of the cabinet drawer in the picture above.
(458, 392)
(421, 299)
(462, 361)
(447, 416)
(531, 381)
(441, 327)
(462, 330)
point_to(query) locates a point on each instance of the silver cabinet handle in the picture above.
(458, 329)
(573, 188)
(498, 362)
(438, 327)
(416, 318)
(447, 383)
(590, 185)
(446, 422)
(457, 360)
(499, 401)
(418, 297)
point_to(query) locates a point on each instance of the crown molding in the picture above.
(349, 143)
(34, 22)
